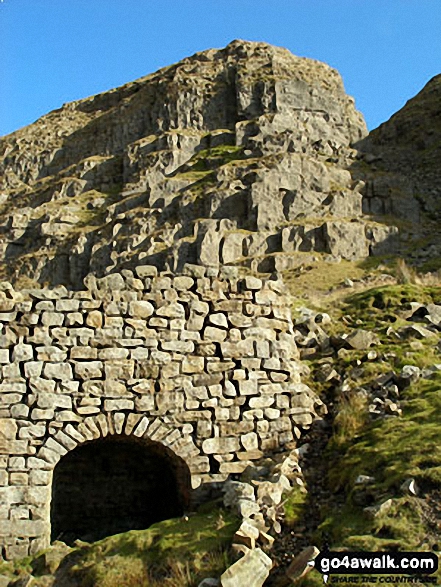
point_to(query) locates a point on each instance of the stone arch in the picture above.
(115, 484)
(150, 440)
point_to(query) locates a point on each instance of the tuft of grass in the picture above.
(351, 418)
(404, 273)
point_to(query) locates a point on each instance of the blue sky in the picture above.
(56, 51)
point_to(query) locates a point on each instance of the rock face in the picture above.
(399, 163)
(239, 155)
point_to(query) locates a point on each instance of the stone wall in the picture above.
(204, 365)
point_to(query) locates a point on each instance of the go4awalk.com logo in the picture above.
(388, 568)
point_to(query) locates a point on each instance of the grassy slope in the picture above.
(174, 553)
(390, 450)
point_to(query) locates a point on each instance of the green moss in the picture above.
(294, 506)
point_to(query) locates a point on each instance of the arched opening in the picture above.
(113, 485)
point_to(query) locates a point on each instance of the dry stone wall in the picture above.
(205, 365)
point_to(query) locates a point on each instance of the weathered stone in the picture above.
(94, 319)
(141, 309)
(300, 565)
(22, 352)
(89, 369)
(251, 570)
(57, 371)
(220, 445)
(361, 339)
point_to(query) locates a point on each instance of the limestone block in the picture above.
(112, 353)
(33, 368)
(119, 369)
(261, 402)
(51, 353)
(94, 319)
(83, 352)
(203, 429)
(69, 305)
(22, 352)
(215, 366)
(131, 421)
(140, 354)
(169, 371)
(39, 477)
(19, 411)
(173, 310)
(8, 316)
(65, 440)
(161, 283)
(266, 297)
(17, 479)
(4, 356)
(252, 283)
(220, 445)
(156, 322)
(242, 348)
(88, 410)
(249, 441)
(89, 369)
(8, 399)
(169, 401)
(52, 444)
(58, 371)
(113, 405)
(179, 346)
(32, 431)
(40, 385)
(214, 334)
(271, 413)
(300, 419)
(40, 414)
(51, 400)
(206, 349)
(247, 387)
(141, 427)
(140, 309)
(90, 427)
(193, 364)
(143, 271)
(67, 416)
(74, 319)
(183, 283)
(52, 318)
(218, 319)
(27, 528)
(195, 322)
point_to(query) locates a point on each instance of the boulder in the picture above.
(251, 570)
(302, 563)
(360, 340)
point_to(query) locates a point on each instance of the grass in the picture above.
(179, 552)
(395, 449)
(390, 450)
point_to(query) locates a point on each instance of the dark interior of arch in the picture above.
(113, 485)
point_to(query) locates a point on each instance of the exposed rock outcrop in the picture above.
(238, 155)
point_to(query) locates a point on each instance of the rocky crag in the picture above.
(234, 156)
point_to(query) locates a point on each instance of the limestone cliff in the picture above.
(400, 166)
(233, 156)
